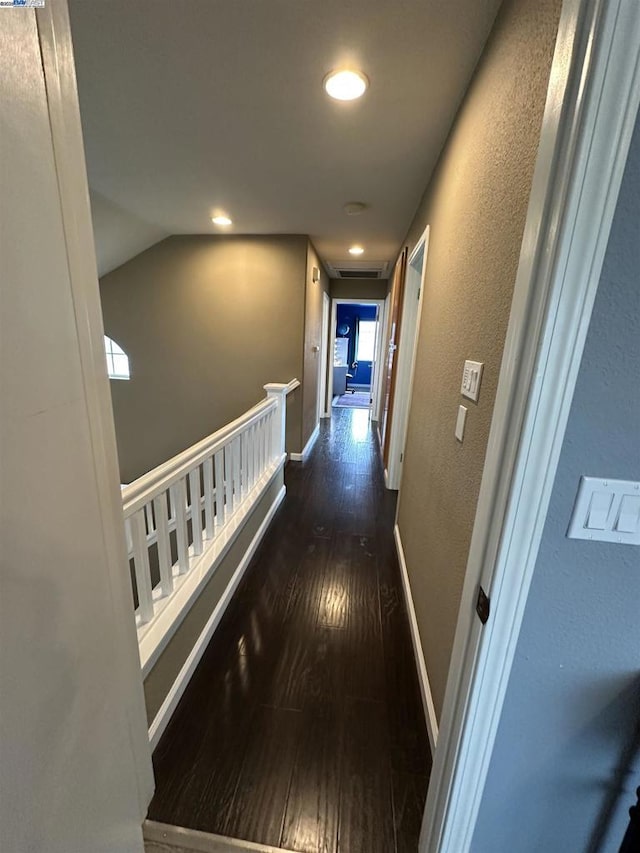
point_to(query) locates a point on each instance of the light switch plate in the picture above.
(471, 379)
(606, 511)
(460, 422)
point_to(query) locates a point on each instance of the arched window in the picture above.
(117, 360)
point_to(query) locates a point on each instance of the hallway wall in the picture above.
(75, 766)
(359, 288)
(476, 205)
(567, 755)
(206, 321)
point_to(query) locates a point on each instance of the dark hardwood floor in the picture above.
(302, 726)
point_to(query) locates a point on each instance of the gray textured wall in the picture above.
(206, 322)
(476, 206)
(568, 735)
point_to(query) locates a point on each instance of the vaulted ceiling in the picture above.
(190, 106)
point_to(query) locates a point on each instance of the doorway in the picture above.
(404, 365)
(354, 354)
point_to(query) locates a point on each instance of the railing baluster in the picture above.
(221, 512)
(196, 510)
(207, 476)
(127, 534)
(228, 481)
(164, 546)
(237, 493)
(141, 566)
(258, 450)
(148, 514)
(271, 430)
(249, 440)
(263, 444)
(244, 470)
(179, 504)
(256, 453)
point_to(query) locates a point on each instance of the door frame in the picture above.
(591, 110)
(68, 150)
(375, 384)
(324, 357)
(406, 366)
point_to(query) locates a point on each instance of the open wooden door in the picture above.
(395, 324)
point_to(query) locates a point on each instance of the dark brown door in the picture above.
(397, 295)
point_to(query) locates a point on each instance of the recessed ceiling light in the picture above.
(346, 85)
(221, 220)
(356, 250)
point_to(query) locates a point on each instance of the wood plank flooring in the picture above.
(302, 727)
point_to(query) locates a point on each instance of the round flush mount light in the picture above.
(221, 220)
(356, 250)
(355, 208)
(346, 85)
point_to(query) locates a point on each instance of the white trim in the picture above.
(324, 356)
(194, 841)
(589, 118)
(302, 457)
(378, 367)
(170, 611)
(423, 675)
(66, 133)
(178, 687)
(406, 357)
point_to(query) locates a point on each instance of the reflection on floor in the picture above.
(302, 727)
(353, 400)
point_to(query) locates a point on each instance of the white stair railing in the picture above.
(180, 514)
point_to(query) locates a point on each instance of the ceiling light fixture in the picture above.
(356, 250)
(221, 220)
(346, 85)
(355, 208)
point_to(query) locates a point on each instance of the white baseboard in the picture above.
(178, 687)
(302, 457)
(423, 678)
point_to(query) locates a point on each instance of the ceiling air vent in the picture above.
(357, 269)
(358, 273)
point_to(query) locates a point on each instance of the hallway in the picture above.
(303, 726)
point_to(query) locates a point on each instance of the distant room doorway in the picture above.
(356, 337)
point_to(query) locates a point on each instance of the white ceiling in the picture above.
(193, 105)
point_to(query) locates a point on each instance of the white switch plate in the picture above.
(460, 422)
(606, 511)
(471, 379)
